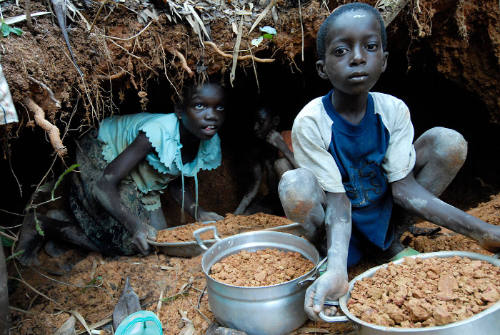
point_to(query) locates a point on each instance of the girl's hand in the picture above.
(140, 237)
(332, 284)
(209, 216)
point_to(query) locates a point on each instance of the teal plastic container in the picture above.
(140, 323)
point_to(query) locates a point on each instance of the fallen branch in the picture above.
(223, 54)
(52, 131)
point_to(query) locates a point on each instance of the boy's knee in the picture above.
(299, 186)
(449, 146)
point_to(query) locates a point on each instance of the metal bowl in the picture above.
(193, 248)
(487, 322)
(270, 310)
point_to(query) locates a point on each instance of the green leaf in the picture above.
(37, 226)
(6, 30)
(14, 255)
(268, 36)
(59, 180)
(6, 242)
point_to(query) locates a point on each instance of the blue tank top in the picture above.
(359, 151)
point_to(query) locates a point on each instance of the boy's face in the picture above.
(354, 58)
(204, 112)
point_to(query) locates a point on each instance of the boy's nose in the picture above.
(358, 55)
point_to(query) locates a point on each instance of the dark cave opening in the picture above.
(433, 101)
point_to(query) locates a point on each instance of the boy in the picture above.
(265, 153)
(356, 156)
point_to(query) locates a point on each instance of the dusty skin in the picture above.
(230, 225)
(95, 283)
(426, 292)
(264, 267)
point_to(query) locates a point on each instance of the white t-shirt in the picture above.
(312, 135)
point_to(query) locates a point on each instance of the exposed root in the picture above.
(51, 94)
(181, 57)
(52, 131)
(117, 75)
(223, 54)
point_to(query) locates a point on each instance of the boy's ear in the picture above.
(386, 56)
(320, 67)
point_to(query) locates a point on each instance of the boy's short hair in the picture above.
(350, 7)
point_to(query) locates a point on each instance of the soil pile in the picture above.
(165, 285)
(230, 225)
(426, 292)
(260, 268)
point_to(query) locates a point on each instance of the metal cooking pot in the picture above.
(487, 322)
(269, 310)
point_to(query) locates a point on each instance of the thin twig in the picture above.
(27, 12)
(96, 15)
(226, 55)
(14, 174)
(301, 28)
(254, 70)
(131, 37)
(36, 291)
(13, 238)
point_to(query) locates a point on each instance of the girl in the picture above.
(114, 200)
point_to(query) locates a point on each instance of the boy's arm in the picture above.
(333, 283)
(276, 140)
(410, 195)
(107, 192)
(175, 190)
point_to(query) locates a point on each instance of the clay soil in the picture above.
(230, 225)
(426, 292)
(264, 267)
(169, 286)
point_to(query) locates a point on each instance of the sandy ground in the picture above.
(169, 286)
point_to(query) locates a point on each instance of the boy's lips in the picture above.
(358, 76)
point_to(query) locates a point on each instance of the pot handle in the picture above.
(314, 275)
(198, 239)
(339, 318)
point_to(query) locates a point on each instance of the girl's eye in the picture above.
(199, 106)
(220, 108)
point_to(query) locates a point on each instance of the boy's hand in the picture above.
(273, 137)
(332, 284)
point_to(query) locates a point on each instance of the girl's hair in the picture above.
(351, 7)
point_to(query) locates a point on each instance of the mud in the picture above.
(264, 267)
(230, 225)
(426, 292)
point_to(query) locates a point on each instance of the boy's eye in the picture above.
(340, 51)
(199, 106)
(372, 46)
(220, 108)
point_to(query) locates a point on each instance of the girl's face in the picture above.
(203, 113)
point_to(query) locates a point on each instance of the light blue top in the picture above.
(165, 163)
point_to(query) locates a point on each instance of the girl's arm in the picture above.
(410, 195)
(107, 192)
(175, 190)
(333, 283)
